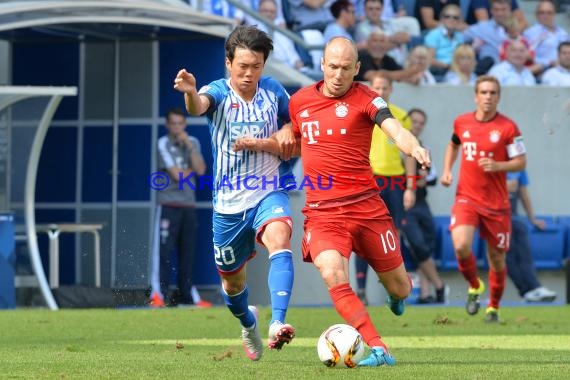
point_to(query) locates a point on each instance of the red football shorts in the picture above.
(494, 226)
(364, 227)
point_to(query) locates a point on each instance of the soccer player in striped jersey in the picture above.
(249, 196)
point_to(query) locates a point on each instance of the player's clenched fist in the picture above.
(446, 179)
(184, 81)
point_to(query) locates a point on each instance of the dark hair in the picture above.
(250, 38)
(339, 6)
(562, 44)
(417, 110)
(175, 111)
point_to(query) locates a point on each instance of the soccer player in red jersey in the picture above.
(333, 122)
(491, 145)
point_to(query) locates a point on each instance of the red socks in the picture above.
(468, 268)
(354, 313)
(496, 287)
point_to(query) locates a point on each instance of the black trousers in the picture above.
(177, 231)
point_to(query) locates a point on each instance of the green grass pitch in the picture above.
(428, 343)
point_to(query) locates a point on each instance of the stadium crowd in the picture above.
(422, 42)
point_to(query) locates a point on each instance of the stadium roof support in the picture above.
(106, 19)
(9, 95)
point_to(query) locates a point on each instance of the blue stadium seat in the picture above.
(564, 221)
(445, 253)
(548, 245)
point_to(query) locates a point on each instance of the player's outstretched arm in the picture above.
(448, 161)
(406, 141)
(185, 83)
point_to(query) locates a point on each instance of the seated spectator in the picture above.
(443, 40)
(487, 36)
(399, 31)
(428, 11)
(480, 10)
(512, 71)
(559, 75)
(462, 67)
(255, 5)
(545, 36)
(345, 18)
(283, 48)
(374, 60)
(420, 57)
(310, 18)
(514, 33)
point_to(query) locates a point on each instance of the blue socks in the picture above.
(239, 307)
(280, 282)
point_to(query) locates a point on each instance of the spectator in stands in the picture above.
(559, 75)
(418, 226)
(420, 57)
(443, 40)
(428, 11)
(462, 67)
(374, 60)
(512, 71)
(488, 35)
(389, 167)
(545, 36)
(255, 5)
(520, 264)
(399, 31)
(480, 10)
(283, 48)
(345, 18)
(309, 18)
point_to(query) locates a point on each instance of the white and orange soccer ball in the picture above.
(340, 346)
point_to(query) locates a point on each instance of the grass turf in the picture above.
(428, 343)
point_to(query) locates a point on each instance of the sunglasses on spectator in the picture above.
(455, 17)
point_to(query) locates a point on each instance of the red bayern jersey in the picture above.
(491, 139)
(335, 140)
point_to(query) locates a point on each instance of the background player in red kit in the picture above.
(333, 122)
(491, 145)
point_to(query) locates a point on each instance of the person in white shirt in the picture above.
(512, 71)
(559, 75)
(545, 36)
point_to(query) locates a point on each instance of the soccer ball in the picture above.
(340, 346)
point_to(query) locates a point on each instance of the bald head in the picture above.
(340, 65)
(341, 47)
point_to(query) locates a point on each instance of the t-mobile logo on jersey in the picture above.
(470, 150)
(310, 130)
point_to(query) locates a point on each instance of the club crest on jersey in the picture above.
(242, 129)
(341, 109)
(494, 136)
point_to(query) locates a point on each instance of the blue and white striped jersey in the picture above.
(242, 179)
